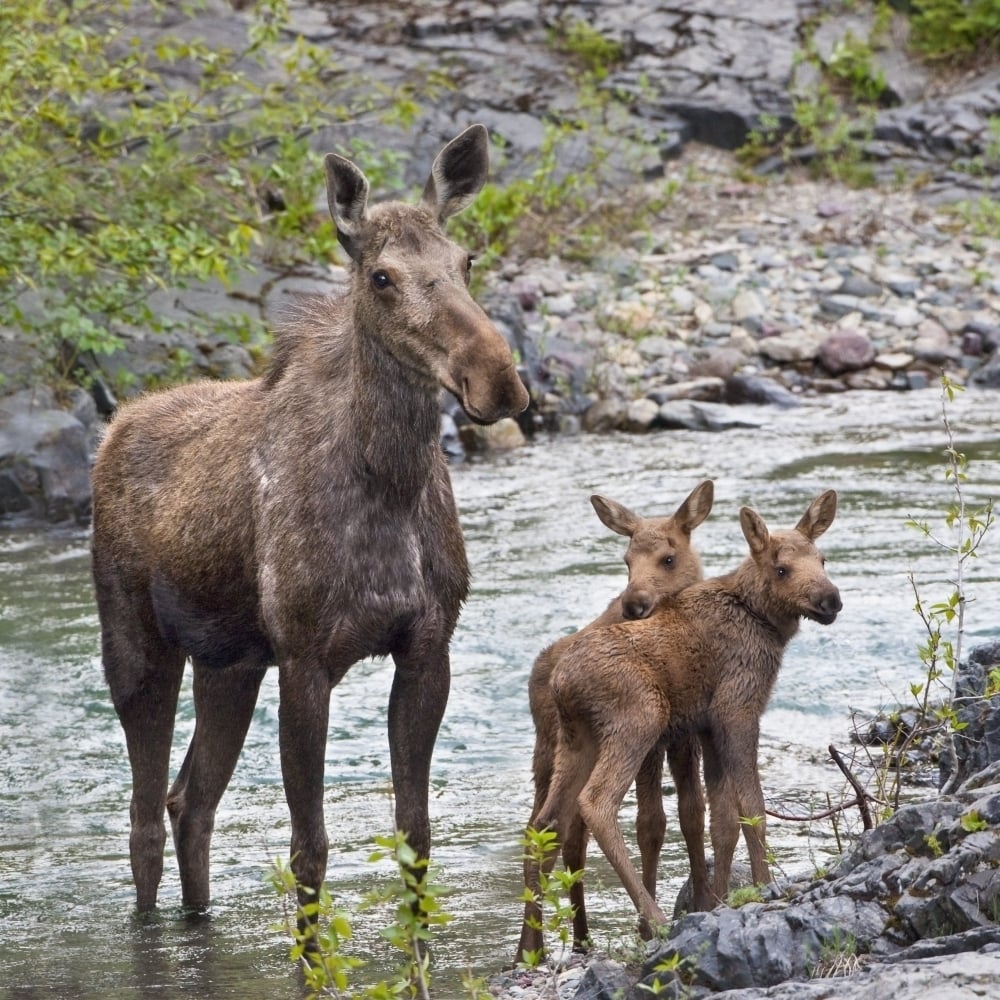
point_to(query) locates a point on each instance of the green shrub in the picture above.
(117, 180)
(948, 29)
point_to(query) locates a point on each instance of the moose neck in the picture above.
(394, 418)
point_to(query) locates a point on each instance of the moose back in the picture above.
(304, 519)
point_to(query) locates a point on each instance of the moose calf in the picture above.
(661, 561)
(700, 668)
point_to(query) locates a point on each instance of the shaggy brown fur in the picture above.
(661, 561)
(304, 518)
(700, 668)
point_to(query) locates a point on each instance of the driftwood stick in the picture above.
(842, 807)
(862, 801)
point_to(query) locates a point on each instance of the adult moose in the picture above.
(700, 668)
(661, 561)
(304, 518)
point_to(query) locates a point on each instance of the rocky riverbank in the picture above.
(738, 292)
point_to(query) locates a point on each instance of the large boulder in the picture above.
(45, 455)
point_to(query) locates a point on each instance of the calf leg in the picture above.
(751, 807)
(572, 765)
(617, 765)
(684, 757)
(224, 701)
(724, 822)
(574, 852)
(651, 820)
(741, 803)
(531, 935)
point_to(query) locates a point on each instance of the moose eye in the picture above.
(468, 267)
(668, 561)
(782, 572)
(381, 280)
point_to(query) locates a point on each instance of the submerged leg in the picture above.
(224, 700)
(144, 678)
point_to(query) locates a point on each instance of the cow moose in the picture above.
(304, 518)
(661, 561)
(699, 671)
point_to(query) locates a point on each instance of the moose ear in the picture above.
(754, 530)
(696, 507)
(347, 194)
(818, 516)
(459, 172)
(614, 515)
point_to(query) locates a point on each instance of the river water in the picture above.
(542, 565)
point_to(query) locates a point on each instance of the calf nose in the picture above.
(829, 604)
(637, 604)
(832, 602)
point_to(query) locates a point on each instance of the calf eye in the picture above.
(381, 280)
(668, 561)
(781, 571)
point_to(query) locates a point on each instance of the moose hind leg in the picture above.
(146, 709)
(684, 757)
(224, 700)
(574, 854)
(651, 820)
(616, 767)
(559, 813)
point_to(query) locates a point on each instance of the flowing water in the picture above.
(542, 565)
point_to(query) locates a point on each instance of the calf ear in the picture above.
(347, 194)
(459, 172)
(696, 507)
(614, 515)
(754, 530)
(819, 515)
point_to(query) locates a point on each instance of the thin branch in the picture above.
(862, 800)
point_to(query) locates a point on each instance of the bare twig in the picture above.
(862, 795)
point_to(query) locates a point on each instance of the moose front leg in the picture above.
(416, 706)
(303, 717)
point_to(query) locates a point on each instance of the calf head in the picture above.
(791, 567)
(411, 282)
(660, 557)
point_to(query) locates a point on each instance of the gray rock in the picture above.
(988, 376)
(859, 286)
(44, 466)
(603, 981)
(705, 389)
(795, 345)
(846, 351)
(605, 415)
(754, 389)
(640, 415)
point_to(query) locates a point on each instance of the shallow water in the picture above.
(542, 565)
